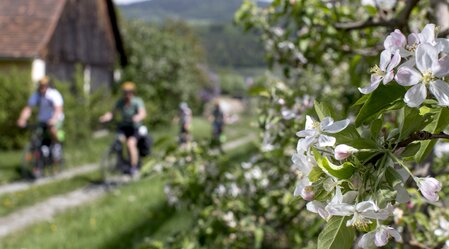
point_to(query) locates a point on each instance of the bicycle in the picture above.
(114, 164)
(40, 153)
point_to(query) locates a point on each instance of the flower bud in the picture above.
(429, 188)
(307, 193)
(344, 151)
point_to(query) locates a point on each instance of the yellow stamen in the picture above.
(377, 71)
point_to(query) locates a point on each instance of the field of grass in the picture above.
(91, 152)
(74, 156)
(125, 218)
(13, 201)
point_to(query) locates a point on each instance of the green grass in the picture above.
(12, 201)
(116, 221)
(10, 161)
(125, 218)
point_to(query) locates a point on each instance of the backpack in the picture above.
(144, 144)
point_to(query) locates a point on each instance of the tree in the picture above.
(165, 63)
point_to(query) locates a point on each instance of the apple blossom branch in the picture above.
(420, 136)
(399, 22)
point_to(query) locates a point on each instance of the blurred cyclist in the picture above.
(218, 121)
(185, 120)
(132, 112)
(50, 116)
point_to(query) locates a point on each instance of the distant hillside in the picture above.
(189, 10)
(226, 45)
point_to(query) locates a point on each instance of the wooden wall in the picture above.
(83, 36)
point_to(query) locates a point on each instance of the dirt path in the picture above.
(67, 174)
(47, 209)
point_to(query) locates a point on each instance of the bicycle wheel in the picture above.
(55, 161)
(31, 162)
(110, 166)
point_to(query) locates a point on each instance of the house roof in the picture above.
(26, 27)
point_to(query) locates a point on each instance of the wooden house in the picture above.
(52, 37)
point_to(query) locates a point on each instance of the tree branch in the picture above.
(400, 22)
(420, 136)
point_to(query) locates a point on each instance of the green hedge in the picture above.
(15, 89)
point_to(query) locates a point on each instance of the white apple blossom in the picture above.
(407, 46)
(379, 237)
(361, 212)
(303, 163)
(304, 189)
(443, 230)
(320, 207)
(343, 151)
(381, 4)
(431, 69)
(429, 187)
(384, 72)
(315, 131)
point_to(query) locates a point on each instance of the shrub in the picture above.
(15, 89)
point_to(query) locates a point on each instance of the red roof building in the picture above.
(51, 37)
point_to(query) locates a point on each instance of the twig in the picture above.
(399, 22)
(420, 136)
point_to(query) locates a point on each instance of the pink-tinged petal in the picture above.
(412, 38)
(371, 87)
(407, 76)
(365, 206)
(385, 58)
(395, 60)
(427, 34)
(442, 45)
(306, 133)
(388, 77)
(343, 151)
(326, 141)
(375, 79)
(336, 126)
(426, 55)
(441, 68)
(395, 41)
(440, 90)
(326, 122)
(317, 207)
(305, 143)
(415, 95)
(381, 238)
(366, 241)
(394, 233)
(342, 209)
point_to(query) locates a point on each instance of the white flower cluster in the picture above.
(343, 196)
(426, 64)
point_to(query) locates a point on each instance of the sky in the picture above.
(135, 1)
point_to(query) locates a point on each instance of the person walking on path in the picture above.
(185, 121)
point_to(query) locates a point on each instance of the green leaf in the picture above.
(259, 91)
(258, 237)
(362, 100)
(322, 110)
(336, 235)
(376, 126)
(410, 121)
(315, 174)
(411, 150)
(347, 135)
(439, 122)
(393, 177)
(343, 171)
(384, 97)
